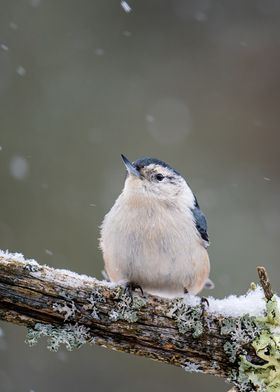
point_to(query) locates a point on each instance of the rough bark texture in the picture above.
(264, 281)
(31, 294)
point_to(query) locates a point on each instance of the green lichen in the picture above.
(126, 307)
(215, 365)
(93, 299)
(253, 286)
(241, 381)
(191, 367)
(71, 336)
(273, 314)
(265, 377)
(68, 309)
(187, 318)
(267, 347)
(242, 331)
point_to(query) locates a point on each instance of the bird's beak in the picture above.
(131, 169)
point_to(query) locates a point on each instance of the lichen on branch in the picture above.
(71, 309)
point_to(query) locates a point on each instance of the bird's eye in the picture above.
(159, 177)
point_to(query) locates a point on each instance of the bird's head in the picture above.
(151, 177)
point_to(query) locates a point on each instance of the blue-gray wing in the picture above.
(201, 224)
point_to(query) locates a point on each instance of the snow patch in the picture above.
(63, 275)
(126, 7)
(19, 167)
(21, 71)
(18, 257)
(252, 303)
(4, 47)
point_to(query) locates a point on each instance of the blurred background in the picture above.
(193, 82)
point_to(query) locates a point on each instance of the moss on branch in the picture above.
(71, 309)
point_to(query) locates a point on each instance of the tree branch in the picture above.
(265, 283)
(74, 309)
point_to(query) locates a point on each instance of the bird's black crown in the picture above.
(146, 161)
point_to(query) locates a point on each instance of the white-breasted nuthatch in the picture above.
(155, 235)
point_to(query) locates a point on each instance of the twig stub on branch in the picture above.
(265, 283)
(73, 309)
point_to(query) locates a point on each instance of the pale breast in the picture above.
(154, 245)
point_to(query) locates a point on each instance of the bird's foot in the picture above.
(203, 302)
(130, 287)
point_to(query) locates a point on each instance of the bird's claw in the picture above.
(130, 287)
(203, 302)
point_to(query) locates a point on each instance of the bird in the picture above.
(155, 236)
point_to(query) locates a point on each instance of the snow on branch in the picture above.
(236, 338)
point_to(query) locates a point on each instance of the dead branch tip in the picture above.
(265, 283)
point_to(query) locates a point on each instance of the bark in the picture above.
(160, 329)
